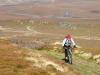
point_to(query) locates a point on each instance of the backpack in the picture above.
(68, 42)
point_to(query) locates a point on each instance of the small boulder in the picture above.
(98, 60)
(96, 57)
(79, 46)
(55, 48)
(76, 51)
(81, 52)
(86, 55)
(57, 43)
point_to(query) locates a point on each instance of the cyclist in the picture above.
(66, 43)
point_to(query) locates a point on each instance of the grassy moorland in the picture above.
(34, 33)
(82, 65)
(15, 60)
(85, 33)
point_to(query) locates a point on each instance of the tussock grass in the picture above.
(13, 62)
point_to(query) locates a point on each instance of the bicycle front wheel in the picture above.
(70, 55)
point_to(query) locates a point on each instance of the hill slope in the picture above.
(15, 60)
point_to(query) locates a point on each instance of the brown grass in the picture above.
(13, 62)
(89, 45)
(54, 32)
(12, 58)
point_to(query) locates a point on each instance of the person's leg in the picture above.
(66, 54)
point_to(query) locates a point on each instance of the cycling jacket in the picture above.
(64, 41)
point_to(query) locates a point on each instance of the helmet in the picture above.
(68, 36)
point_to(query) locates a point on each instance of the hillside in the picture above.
(32, 31)
(15, 60)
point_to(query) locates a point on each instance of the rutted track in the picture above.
(85, 67)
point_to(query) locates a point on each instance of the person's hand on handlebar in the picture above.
(74, 46)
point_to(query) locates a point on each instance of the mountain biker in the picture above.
(67, 42)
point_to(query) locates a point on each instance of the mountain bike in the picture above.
(69, 52)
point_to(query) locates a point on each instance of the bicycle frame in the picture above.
(69, 51)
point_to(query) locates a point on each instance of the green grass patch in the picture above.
(83, 71)
(59, 55)
(88, 66)
(47, 51)
(16, 71)
(19, 66)
(88, 60)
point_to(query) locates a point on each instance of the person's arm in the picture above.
(73, 42)
(63, 42)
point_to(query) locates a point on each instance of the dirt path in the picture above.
(30, 29)
(85, 67)
(80, 37)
